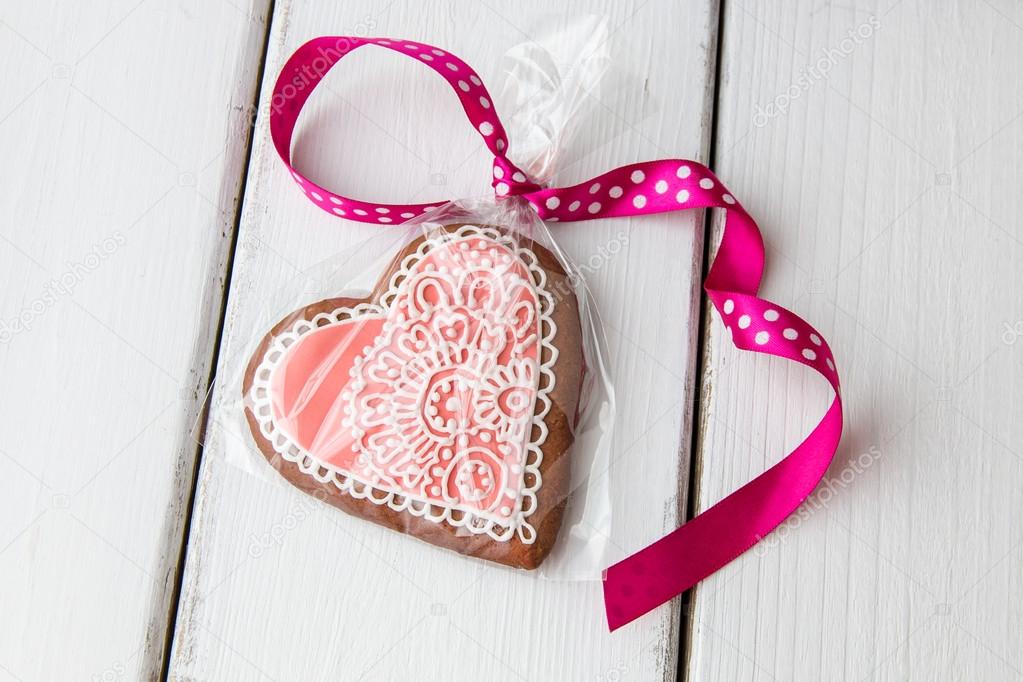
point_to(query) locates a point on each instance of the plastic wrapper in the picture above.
(455, 389)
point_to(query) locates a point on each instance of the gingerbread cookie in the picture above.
(443, 404)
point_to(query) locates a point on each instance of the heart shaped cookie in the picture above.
(441, 405)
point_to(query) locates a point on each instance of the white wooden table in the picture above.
(878, 144)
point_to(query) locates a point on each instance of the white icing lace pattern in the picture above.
(475, 476)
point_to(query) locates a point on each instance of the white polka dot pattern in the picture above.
(288, 101)
(752, 323)
(755, 322)
(652, 187)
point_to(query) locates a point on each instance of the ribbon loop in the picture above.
(685, 556)
(310, 63)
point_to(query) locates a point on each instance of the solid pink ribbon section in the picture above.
(676, 562)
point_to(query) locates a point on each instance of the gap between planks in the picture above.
(702, 357)
(200, 424)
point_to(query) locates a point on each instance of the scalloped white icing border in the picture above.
(474, 521)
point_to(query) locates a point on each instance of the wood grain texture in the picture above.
(280, 587)
(124, 129)
(888, 193)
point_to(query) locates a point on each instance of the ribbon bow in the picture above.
(676, 562)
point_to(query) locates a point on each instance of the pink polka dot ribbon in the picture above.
(676, 562)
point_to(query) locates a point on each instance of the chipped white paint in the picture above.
(123, 127)
(888, 191)
(885, 178)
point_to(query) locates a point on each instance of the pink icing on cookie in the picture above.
(431, 395)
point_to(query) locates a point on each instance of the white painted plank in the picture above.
(332, 597)
(889, 194)
(124, 129)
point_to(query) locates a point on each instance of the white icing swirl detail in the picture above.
(438, 374)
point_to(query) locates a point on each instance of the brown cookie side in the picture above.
(555, 469)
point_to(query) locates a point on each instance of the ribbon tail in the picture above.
(684, 557)
(673, 564)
